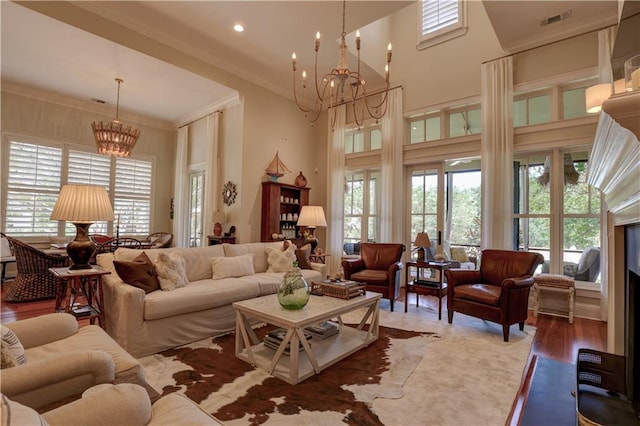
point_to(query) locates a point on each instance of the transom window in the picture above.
(440, 20)
(362, 140)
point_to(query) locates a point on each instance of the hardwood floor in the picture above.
(555, 337)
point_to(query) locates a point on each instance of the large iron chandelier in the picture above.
(113, 138)
(342, 85)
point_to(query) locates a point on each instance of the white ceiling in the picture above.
(46, 53)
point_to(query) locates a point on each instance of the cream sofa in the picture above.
(144, 324)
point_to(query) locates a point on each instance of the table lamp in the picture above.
(312, 217)
(82, 205)
(422, 241)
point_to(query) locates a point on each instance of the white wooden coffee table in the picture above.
(314, 357)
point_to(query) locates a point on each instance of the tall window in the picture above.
(362, 206)
(36, 172)
(464, 203)
(196, 207)
(576, 219)
(424, 203)
(440, 20)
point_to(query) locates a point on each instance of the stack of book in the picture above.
(274, 338)
(322, 330)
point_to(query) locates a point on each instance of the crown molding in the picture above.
(44, 95)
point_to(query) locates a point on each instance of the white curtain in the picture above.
(335, 188)
(606, 39)
(212, 186)
(497, 154)
(181, 191)
(392, 207)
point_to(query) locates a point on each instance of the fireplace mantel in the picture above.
(615, 170)
(615, 157)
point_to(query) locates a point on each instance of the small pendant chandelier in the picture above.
(113, 138)
(341, 85)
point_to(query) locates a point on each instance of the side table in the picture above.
(418, 286)
(80, 282)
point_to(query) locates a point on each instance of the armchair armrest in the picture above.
(113, 405)
(517, 282)
(462, 276)
(38, 331)
(352, 265)
(395, 267)
(45, 381)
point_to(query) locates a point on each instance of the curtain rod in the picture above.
(200, 118)
(548, 44)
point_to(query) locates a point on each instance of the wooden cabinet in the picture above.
(281, 205)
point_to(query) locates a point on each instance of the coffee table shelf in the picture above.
(320, 353)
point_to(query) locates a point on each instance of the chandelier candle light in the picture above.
(341, 85)
(113, 138)
(82, 205)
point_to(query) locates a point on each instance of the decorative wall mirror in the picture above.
(229, 193)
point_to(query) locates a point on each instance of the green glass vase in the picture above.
(293, 292)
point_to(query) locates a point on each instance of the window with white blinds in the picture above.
(88, 168)
(37, 172)
(33, 184)
(440, 20)
(132, 196)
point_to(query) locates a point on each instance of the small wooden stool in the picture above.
(555, 283)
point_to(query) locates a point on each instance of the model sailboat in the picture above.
(276, 168)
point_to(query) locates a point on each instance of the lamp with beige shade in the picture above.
(82, 205)
(422, 241)
(312, 217)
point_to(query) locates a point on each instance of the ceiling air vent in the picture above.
(556, 18)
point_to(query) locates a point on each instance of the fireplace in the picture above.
(632, 314)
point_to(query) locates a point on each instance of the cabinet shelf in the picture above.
(273, 207)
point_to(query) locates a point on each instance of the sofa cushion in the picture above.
(302, 256)
(238, 266)
(459, 254)
(16, 414)
(258, 250)
(171, 271)
(281, 260)
(139, 273)
(12, 350)
(197, 260)
(199, 296)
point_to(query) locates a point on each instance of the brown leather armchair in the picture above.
(498, 291)
(379, 266)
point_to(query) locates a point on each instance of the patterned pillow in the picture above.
(281, 261)
(171, 271)
(140, 273)
(459, 255)
(234, 266)
(13, 353)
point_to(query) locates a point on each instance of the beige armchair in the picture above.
(108, 405)
(62, 360)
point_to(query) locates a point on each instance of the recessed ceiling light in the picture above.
(239, 28)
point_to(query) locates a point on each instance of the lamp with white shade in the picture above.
(311, 217)
(596, 95)
(82, 205)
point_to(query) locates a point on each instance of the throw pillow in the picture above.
(281, 261)
(171, 271)
(236, 266)
(12, 350)
(459, 255)
(302, 255)
(139, 273)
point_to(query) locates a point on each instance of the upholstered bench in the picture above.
(555, 283)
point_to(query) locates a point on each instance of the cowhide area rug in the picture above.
(420, 371)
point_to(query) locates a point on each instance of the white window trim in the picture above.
(444, 34)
